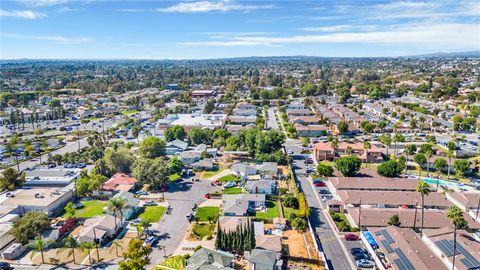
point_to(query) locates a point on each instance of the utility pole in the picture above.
(96, 245)
(415, 216)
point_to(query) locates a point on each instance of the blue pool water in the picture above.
(442, 183)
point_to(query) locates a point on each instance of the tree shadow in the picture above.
(180, 187)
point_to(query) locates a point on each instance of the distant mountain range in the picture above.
(449, 54)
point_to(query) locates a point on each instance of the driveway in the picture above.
(272, 122)
(172, 228)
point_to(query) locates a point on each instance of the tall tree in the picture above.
(424, 189)
(39, 246)
(455, 214)
(117, 206)
(11, 179)
(69, 246)
(136, 257)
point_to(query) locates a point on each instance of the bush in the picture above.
(390, 168)
(290, 201)
(324, 170)
(348, 166)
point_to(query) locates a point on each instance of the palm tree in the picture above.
(39, 245)
(424, 189)
(69, 245)
(139, 228)
(455, 214)
(145, 224)
(449, 155)
(335, 147)
(88, 247)
(116, 206)
(428, 154)
(409, 150)
(367, 146)
(387, 141)
(117, 243)
(398, 138)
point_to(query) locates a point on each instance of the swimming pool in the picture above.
(442, 182)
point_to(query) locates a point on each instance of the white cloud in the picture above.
(22, 14)
(405, 5)
(66, 9)
(447, 34)
(54, 39)
(211, 6)
(43, 3)
(332, 28)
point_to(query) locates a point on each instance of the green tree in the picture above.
(69, 210)
(39, 246)
(176, 132)
(69, 246)
(342, 127)
(455, 214)
(387, 141)
(152, 147)
(449, 154)
(11, 179)
(398, 138)
(420, 159)
(136, 257)
(348, 166)
(117, 206)
(390, 168)
(409, 150)
(424, 189)
(200, 135)
(440, 164)
(136, 132)
(153, 172)
(324, 170)
(300, 224)
(394, 221)
(175, 165)
(87, 247)
(119, 160)
(461, 166)
(31, 225)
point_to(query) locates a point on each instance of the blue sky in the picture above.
(228, 28)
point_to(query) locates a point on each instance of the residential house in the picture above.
(267, 187)
(117, 183)
(243, 120)
(325, 151)
(241, 204)
(203, 164)
(175, 147)
(189, 157)
(243, 170)
(207, 259)
(305, 120)
(232, 223)
(311, 130)
(99, 229)
(261, 259)
(269, 242)
(132, 204)
(299, 112)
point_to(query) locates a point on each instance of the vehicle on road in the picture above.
(229, 184)
(324, 191)
(150, 203)
(151, 240)
(141, 192)
(5, 265)
(207, 196)
(358, 250)
(190, 216)
(365, 264)
(319, 184)
(351, 237)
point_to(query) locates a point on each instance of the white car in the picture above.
(229, 184)
(150, 203)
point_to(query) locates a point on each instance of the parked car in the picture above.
(190, 216)
(207, 196)
(4, 265)
(150, 203)
(319, 184)
(361, 256)
(229, 184)
(151, 240)
(324, 191)
(351, 237)
(78, 206)
(290, 152)
(365, 264)
(141, 192)
(358, 250)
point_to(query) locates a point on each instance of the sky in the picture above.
(192, 29)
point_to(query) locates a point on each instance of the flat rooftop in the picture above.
(403, 247)
(41, 197)
(378, 217)
(376, 183)
(393, 198)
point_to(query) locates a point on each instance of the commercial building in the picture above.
(189, 121)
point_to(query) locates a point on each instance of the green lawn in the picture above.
(233, 190)
(152, 213)
(91, 209)
(128, 112)
(174, 177)
(229, 178)
(174, 262)
(208, 211)
(287, 211)
(203, 229)
(272, 211)
(209, 174)
(341, 222)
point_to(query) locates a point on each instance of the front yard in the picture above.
(272, 211)
(229, 178)
(174, 262)
(233, 190)
(174, 177)
(152, 213)
(208, 174)
(91, 209)
(201, 230)
(203, 213)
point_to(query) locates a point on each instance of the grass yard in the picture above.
(201, 230)
(272, 211)
(174, 262)
(208, 211)
(341, 222)
(126, 112)
(208, 174)
(233, 190)
(287, 211)
(91, 209)
(174, 177)
(152, 213)
(229, 178)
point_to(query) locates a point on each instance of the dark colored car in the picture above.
(319, 184)
(323, 191)
(351, 237)
(362, 256)
(358, 250)
(4, 265)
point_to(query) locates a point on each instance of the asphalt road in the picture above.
(337, 255)
(272, 121)
(172, 228)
